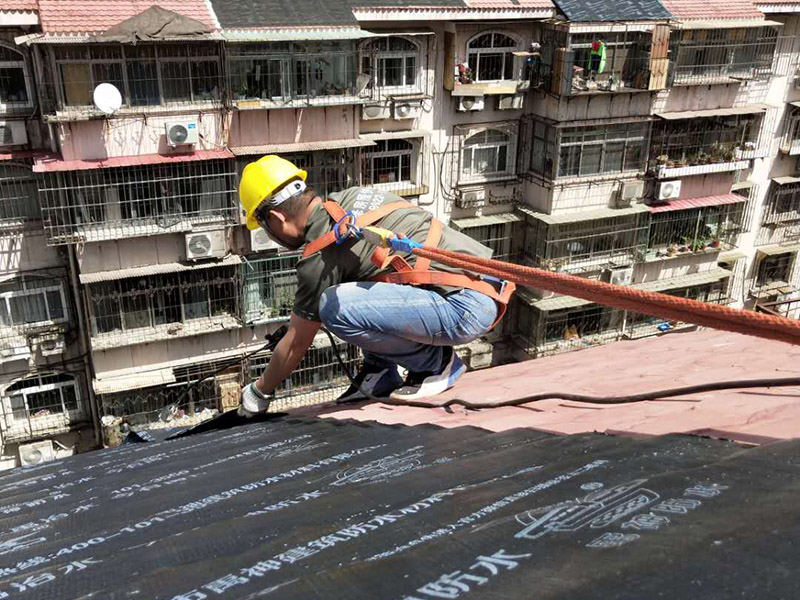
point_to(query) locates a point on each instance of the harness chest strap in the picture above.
(421, 273)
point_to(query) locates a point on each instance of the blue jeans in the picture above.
(403, 324)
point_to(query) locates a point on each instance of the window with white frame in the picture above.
(390, 62)
(14, 83)
(487, 154)
(43, 395)
(490, 57)
(32, 301)
(612, 148)
(390, 161)
(145, 75)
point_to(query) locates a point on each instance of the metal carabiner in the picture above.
(350, 226)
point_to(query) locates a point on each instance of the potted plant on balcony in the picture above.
(715, 243)
(702, 158)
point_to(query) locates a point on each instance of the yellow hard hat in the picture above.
(261, 179)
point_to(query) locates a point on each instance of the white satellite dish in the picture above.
(107, 98)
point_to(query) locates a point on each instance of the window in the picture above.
(487, 154)
(19, 199)
(490, 57)
(270, 287)
(14, 90)
(32, 301)
(172, 298)
(777, 268)
(43, 395)
(145, 75)
(389, 162)
(390, 62)
(613, 148)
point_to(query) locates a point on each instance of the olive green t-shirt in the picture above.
(350, 261)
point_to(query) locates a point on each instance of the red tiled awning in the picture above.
(48, 166)
(699, 202)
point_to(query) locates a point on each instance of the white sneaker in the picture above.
(425, 385)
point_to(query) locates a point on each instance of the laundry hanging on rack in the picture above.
(597, 57)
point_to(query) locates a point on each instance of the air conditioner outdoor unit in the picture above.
(669, 190)
(469, 103)
(181, 133)
(472, 199)
(371, 112)
(631, 190)
(36, 453)
(513, 102)
(260, 241)
(13, 133)
(623, 276)
(205, 244)
(407, 110)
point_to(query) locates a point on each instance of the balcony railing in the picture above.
(695, 231)
(270, 288)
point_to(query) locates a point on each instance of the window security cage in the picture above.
(553, 152)
(780, 222)
(396, 165)
(19, 198)
(148, 76)
(393, 66)
(790, 142)
(112, 203)
(578, 243)
(696, 230)
(490, 57)
(43, 405)
(279, 74)
(776, 274)
(17, 94)
(708, 56)
(786, 307)
(270, 287)
(705, 141)
(501, 233)
(161, 307)
(34, 314)
(486, 153)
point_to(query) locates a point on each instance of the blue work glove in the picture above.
(254, 401)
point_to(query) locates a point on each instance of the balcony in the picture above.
(776, 272)
(499, 232)
(790, 142)
(270, 288)
(695, 226)
(706, 141)
(585, 242)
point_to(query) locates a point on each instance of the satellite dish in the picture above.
(107, 98)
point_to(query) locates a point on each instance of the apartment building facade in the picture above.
(640, 145)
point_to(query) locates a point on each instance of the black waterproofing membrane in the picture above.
(305, 508)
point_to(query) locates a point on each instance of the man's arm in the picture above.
(288, 353)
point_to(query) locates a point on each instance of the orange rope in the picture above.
(655, 304)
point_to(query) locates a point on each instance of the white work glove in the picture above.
(253, 401)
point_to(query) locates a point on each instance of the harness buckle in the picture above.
(497, 282)
(349, 221)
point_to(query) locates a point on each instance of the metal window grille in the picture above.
(16, 83)
(786, 307)
(42, 405)
(627, 63)
(269, 288)
(640, 325)
(317, 379)
(101, 204)
(19, 200)
(709, 140)
(585, 246)
(502, 238)
(490, 57)
(393, 65)
(396, 165)
(33, 308)
(790, 142)
(710, 56)
(710, 229)
(545, 333)
(147, 75)
(782, 211)
(612, 148)
(487, 152)
(159, 307)
(296, 74)
(775, 269)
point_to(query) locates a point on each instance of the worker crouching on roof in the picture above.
(360, 292)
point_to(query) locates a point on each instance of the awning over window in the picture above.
(173, 267)
(559, 303)
(786, 180)
(486, 89)
(135, 381)
(728, 24)
(499, 219)
(301, 147)
(718, 200)
(295, 34)
(396, 135)
(731, 256)
(48, 165)
(589, 215)
(777, 249)
(750, 109)
(676, 283)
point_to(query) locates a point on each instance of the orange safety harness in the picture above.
(404, 273)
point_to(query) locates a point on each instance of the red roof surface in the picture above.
(712, 9)
(52, 164)
(699, 202)
(19, 5)
(622, 368)
(95, 16)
